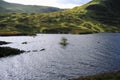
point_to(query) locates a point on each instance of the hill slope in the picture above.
(12, 7)
(95, 16)
(106, 11)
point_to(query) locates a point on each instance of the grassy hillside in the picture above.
(95, 16)
(3, 10)
(12, 7)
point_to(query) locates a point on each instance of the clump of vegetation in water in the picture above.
(7, 51)
(3, 42)
(64, 41)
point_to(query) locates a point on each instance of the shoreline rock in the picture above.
(8, 51)
(3, 42)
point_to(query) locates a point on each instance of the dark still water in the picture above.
(84, 55)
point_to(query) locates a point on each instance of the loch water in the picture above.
(84, 55)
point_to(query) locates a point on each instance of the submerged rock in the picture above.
(24, 42)
(42, 49)
(34, 51)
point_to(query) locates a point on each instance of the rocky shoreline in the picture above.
(3, 42)
(104, 76)
(8, 51)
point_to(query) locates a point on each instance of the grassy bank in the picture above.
(2, 33)
(105, 76)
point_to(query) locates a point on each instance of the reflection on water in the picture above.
(84, 55)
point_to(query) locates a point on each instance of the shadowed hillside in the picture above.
(106, 11)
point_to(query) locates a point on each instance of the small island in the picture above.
(8, 51)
